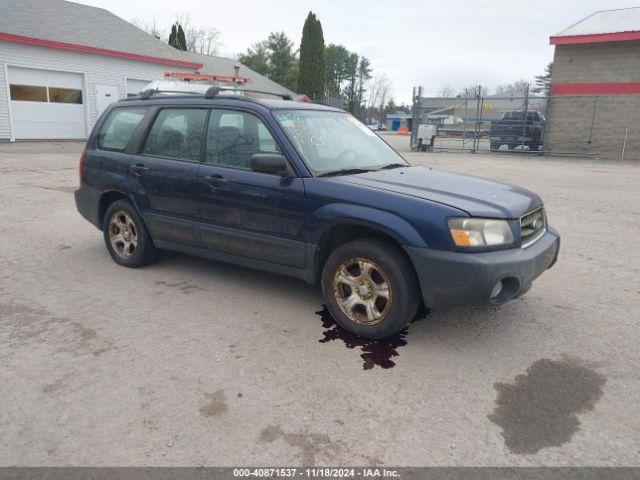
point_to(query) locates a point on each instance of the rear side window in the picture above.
(118, 129)
(176, 133)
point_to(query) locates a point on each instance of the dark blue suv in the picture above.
(308, 191)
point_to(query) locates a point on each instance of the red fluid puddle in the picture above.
(374, 352)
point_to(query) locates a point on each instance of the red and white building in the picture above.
(595, 86)
(63, 63)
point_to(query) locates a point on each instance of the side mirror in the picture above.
(269, 163)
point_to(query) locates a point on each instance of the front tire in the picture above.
(370, 288)
(126, 236)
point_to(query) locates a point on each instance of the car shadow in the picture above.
(441, 323)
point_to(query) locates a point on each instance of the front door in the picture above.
(105, 96)
(167, 169)
(243, 212)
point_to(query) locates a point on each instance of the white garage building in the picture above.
(63, 63)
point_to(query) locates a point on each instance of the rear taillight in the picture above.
(82, 157)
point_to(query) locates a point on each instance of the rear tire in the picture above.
(370, 288)
(126, 236)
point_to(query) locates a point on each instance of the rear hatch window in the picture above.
(119, 127)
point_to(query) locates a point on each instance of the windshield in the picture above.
(331, 142)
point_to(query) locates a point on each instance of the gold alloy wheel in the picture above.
(362, 290)
(123, 234)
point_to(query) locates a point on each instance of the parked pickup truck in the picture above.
(306, 190)
(513, 130)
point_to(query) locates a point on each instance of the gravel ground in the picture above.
(193, 362)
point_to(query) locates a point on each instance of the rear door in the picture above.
(166, 169)
(246, 213)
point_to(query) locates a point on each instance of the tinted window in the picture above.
(118, 129)
(28, 93)
(176, 133)
(65, 95)
(520, 116)
(233, 137)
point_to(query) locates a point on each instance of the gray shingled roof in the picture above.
(68, 22)
(224, 66)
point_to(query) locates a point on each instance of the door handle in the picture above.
(216, 179)
(139, 169)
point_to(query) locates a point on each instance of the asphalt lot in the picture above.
(193, 362)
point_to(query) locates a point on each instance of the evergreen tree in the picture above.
(274, 58)
(257, 58)
(543, 82)
(282, 59)
(311, 74)
(364, 75)
(182, 38)
(351, 76)
(177, 38)
(172, 36)
(335, 60)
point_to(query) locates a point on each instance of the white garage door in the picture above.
(47, 104)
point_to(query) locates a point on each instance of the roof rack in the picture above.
(210, 93)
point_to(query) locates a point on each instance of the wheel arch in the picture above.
(110, 196)
(347, 230)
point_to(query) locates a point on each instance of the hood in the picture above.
(477, 196)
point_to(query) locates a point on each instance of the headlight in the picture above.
(480, 232)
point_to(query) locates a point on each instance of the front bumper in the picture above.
(467, 279)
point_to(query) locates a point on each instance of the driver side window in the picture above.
(234, 136)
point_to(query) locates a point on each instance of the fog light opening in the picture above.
(497, 290)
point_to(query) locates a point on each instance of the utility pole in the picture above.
(526, 113)
(416, 111)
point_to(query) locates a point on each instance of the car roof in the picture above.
(226, 100)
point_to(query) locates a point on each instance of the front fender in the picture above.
(334, 214)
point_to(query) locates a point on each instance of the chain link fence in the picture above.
(606, 126)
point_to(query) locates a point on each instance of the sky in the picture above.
(418, 42)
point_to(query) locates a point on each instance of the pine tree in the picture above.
(311, 75)
(177, 37)
(182, 38)
(172, 36)
(543, 82)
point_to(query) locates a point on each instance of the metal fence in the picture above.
(606, 126)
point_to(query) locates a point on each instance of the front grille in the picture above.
(532, 226)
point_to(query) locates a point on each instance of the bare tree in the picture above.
(204, 40)
(151, 27)
(516, 89)
(199, 40)
(378, 93)
(473, 91)
(207, 41)
(446, 91)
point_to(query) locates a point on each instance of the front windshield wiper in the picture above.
(393, 165)
(344, 171)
